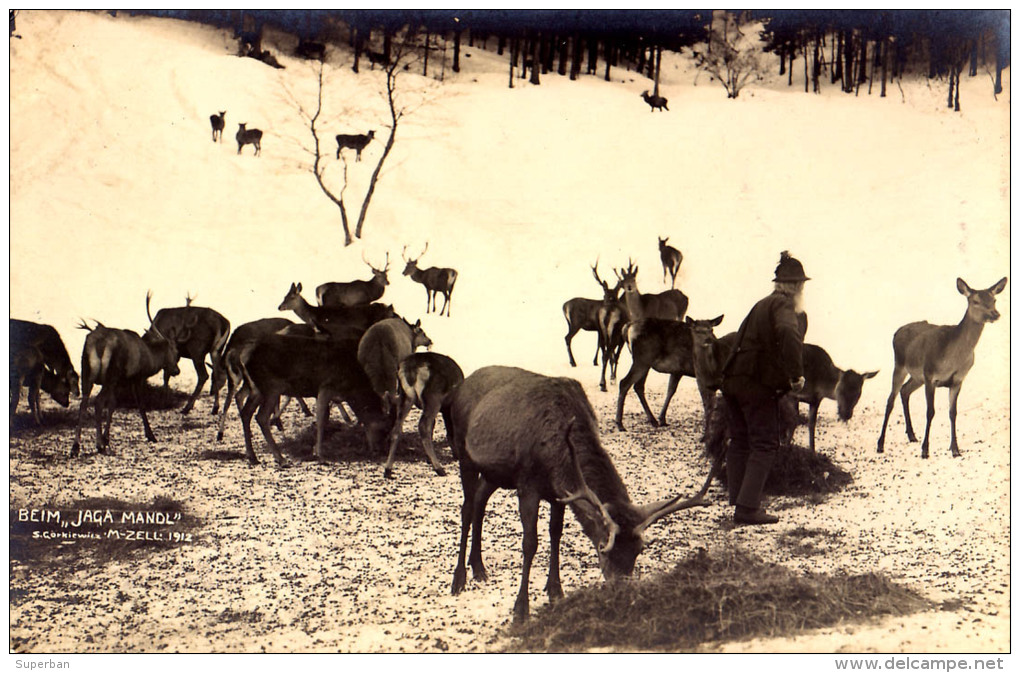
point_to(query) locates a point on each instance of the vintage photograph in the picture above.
(509, 331)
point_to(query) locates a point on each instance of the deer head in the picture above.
(608, 294)
(412, 264)
(293, 299)
(378, 275)
(981, 303)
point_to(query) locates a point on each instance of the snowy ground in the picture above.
(116, 188)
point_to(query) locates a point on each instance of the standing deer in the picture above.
(115, 357)
(247, 136)
(25, 334)
(710, 354)
(28, 368)
(339, 322)
(611, 318)
(435, 280)
(655, 102)
(196, 331)
(356, 292)
(824, 380)
(666, 346)
(425, 381)
(382, 349)
(671, 259)
(353, 142)
(218, 121)
(302, 367)
(668, 305)
(515, 429)
(938, 356)
(582, 314)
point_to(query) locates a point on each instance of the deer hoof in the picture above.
(388, 473)
(459, 580)
(440, 472)
(219, 436)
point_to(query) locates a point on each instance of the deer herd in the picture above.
(507, 427)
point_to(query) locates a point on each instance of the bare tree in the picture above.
(404, 50)
(735, 52)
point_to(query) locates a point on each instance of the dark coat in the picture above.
(771, 345)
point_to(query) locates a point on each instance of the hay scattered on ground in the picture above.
(710, 598)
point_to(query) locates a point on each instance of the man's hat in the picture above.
(790, 270)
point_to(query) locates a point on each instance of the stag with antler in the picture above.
(116, 357)
(547, 449)
(668, 305)
(355, 292)
(435, 279)
(196, 331)
(610, 317)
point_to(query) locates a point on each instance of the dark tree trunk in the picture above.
(593, 55)
(387, 44)
(513, 54)
(817, 69)
(547, 55)
(789, 71)
(805, 68)
(885, 63)
(933, 59)
(561, 70)
(848, 64)
(782, 61)
(949, 102)
(501, 45)
(535, 58)
(425, 67)
(863, 73)
(998, 70)
(359, 43)
(658, 68)
(973, 59)
(651, 62)
(456, 51)
(959, 69)
(641, 60)
(576, 54)
(837, 63)
(611, 54)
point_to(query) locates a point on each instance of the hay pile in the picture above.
(709, 598)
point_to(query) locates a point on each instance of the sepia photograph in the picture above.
(510, 331)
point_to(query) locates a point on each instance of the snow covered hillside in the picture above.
(116, 188)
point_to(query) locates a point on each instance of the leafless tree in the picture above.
(735, 52)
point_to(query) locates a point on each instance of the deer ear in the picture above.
(869, 375)
(717, 321)
(962, 286)
(998, 287)
(688, 321)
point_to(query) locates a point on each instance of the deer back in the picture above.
(111, 355)
(422, 375)
(196, 330)
(45, 337)
(582, 313)
(664, 345)
(353, 293)
(381, 350)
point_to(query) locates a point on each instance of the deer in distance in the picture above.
(655, 102)
(424, 380)
(196, 331)
(355, 292)
(938, 356)
(668, 305)
(246, 136)
(308, 367)
(114, 357)
(436, 281)
(548, 449)
(353, 142)
(28, 368)
(218, 122)
(26, 334)
(671, 260)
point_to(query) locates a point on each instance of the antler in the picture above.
(657, 510)
(595, 271)
(148, 313)
(188, 298)
(83, 325)
(587, 494)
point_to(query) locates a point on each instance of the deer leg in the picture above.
(899, 375)
(482, 494)
(636, 373)
(404, 405)
(598, 349)
(469, 481)
(447, 296)
(707, 404)
(203, 376)
(33, 397)
(812, 422)
(426, 426)
(86, 392)
(263, 418)
(322, 402)
(15, 395)
(137, 387)
(639, 388)
(929, 397)
(905, 392)
(605, 361)
(674, 379)
(954, 393)
(552, 586)
(529, 522)
(231, 390)
(246, 412)
(343, 412)
(100, 411)
(571, 331)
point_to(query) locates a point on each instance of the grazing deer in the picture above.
(353, 142)
(356, 292)
(338, 322)
(114, 357)
(666, 346)
(425, 381)
(25, 334)
(515, 429)
(668, 305)
(28, 368)
(196, 331)
(655, 102)
(301, 367)
(382, 349)
(611, 318)
(218, 121)
(824, 380)
(671, 259)
(251, 137)
(436, 281)
(938, 356)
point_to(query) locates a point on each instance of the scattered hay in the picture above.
(710, 598)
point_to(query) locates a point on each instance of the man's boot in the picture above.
(736, 464)
(748, 503)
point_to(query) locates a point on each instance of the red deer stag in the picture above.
(824, 380)
(382, 349)
(25, 334)
(611, 318)
(583, 314)
(302, 367)
(938, 356)
(436, 281)
(355, 292)
(114, 357)
(28, 368)
(668, 305)
(196, 331)
(515, 429)
(663, 345)
(671, 260)
(425, 381)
